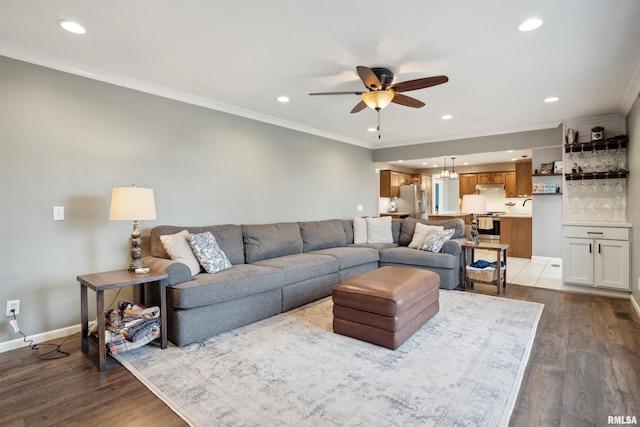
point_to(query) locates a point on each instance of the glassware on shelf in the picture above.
(581, 154)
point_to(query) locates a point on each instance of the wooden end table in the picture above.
(99, 282)
(501, 255)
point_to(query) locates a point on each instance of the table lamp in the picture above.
(133, 204)
(474, 204)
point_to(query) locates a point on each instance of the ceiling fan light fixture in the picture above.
(378, 99)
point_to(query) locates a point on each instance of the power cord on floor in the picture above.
(45, 356)
(57, 349)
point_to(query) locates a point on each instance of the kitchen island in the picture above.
(515, 230)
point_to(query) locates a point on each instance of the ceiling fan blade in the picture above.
(368, 77)
(361, 106)
(407, 101)
(337, 93)
(419, 83)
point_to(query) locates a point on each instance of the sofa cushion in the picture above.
(239, 281)
(351, 256)
(206, 249)
(299, 267)
(318, 235)
(379, 230)
(228, 236)
(178, 248)
(347, 224)
(265, 241)
(403, 255)
(409, 224)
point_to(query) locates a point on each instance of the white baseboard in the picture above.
(635, 304)
(39, 338)
(568, 287)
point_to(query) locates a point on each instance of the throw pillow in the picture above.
(379, 230)
(359, 230)
(435, 240)
(206, 249)
(421, 232)
(177, 246)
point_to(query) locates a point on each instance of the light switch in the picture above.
(58, 213)
(359, 208)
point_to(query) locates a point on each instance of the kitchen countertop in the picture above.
(450, 214)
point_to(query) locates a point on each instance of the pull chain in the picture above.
(378, 110)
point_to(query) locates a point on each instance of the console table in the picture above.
(501, 255)
(100, 282)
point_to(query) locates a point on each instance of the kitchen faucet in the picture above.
(525, 201)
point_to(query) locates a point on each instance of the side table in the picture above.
(99, 282)
(501, 255)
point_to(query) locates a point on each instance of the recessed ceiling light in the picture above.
(465, 163)
(509, 151)
(72, 27)
(552, 99)
(434, 166)
(530, 24)
(400, 161)
(425, 163)
(513, 160)
(372, 129)
(283, 99)
(446, 117)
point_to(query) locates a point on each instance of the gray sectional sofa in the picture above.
(277, 267)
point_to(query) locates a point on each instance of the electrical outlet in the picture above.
(13, 305)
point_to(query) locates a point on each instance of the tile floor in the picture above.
(536, 272)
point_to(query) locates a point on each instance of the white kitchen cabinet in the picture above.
(596, 256)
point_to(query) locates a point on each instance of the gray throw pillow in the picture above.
(206, 249)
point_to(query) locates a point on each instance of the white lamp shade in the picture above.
(132, 204)
(377, 99)
(474, 204)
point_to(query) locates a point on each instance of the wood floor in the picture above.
(584, 367)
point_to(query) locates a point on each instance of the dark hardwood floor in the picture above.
(584, 367)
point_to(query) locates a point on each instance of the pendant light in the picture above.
(444, 173)
(454, 174)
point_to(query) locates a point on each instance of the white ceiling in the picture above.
(239, 56)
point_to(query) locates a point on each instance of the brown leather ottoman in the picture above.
(385, 306)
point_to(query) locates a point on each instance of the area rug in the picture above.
(463, 368)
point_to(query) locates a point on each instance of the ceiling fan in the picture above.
(382, 91)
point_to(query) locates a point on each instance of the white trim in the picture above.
(39, 338)
(635, 304)
(568, 287)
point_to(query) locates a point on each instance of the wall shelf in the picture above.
(611, 144)
(595, 175)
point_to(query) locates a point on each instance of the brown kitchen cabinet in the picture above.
(390, 182)
(491, 178)
(467, 183)
(516, 232)
(510, 183)
(524, 182)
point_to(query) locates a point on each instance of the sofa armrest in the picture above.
(177, 271)
(453, 246)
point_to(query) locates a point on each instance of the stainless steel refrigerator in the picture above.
(413, 199)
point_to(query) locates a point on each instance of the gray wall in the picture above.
(67, 140)
(546, 239)
(633, 190)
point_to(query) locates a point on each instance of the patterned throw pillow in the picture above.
(435, 240)
(206, 249)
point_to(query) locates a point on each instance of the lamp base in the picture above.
(136, 251)
(474, 231)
